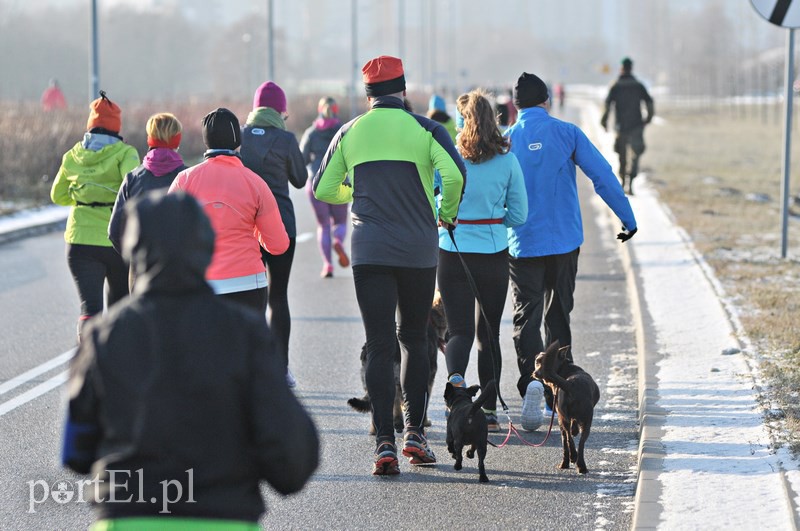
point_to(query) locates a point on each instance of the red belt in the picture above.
(494, 221)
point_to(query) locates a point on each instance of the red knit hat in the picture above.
(105, 114)
(383, 75)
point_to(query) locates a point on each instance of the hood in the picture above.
(168, 241)
(89, 157)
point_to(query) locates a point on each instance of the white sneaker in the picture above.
(532, 417)
(290, 380)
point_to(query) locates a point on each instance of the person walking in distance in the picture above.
(88, 181)
(178, 386)
(273, 153)
(52, 98)
(313, 144)
(544, 250)
(242, 210)
(494, 200)
(383, 161)
(626, 97)
(158, 169)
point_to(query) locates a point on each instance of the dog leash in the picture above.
(512, 429)
(487, 325)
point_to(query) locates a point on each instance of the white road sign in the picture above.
(784, 13)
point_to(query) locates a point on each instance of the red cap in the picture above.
(382, 68)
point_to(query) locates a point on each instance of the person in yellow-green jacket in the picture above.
(384, 161)
(88, 180)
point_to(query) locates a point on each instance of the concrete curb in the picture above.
(11, 235)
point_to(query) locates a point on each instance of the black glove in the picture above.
(626, 235)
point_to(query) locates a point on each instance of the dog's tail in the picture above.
(362, 405)
(487, 392)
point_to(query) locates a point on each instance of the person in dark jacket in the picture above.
(176, 386)
(158, 169)
(273, 153)
(384, 162)
(626, 96)
(314, 143)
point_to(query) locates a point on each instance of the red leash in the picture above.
(512, 429)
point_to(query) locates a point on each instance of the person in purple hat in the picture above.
(274, 154)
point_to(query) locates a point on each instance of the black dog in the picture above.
(577, 394)
(437, 338)
(466, 424)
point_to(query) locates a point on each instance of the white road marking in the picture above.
(36, 371)
(36, 392)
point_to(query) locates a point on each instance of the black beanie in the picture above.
(529, 91)
(221, 130)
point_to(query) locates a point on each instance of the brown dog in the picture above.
(577, 394)
(437, 338)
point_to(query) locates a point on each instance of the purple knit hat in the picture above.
(270, 95)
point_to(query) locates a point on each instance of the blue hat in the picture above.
(437, 103)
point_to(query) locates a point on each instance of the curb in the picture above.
(33, 230)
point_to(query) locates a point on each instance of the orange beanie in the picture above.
(105, 114)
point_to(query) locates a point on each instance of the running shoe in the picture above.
(416, 448)
(344, 261)
(532, 406)
(548, 413)
(327, 271)
(386, 460)
(290, 379)
(491, 420)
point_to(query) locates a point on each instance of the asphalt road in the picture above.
(39, 306)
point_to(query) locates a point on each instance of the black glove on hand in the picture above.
(626, 235)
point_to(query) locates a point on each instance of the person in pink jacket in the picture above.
(242, 210)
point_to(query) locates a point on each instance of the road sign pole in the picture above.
(787, 142)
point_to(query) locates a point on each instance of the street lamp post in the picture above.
(94, 79)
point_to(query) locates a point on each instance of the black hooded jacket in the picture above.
(178, 385)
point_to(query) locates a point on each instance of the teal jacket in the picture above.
(88, 181)
(384, 161)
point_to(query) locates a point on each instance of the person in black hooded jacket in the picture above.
(176, 387)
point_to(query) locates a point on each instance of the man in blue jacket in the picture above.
(544, 250)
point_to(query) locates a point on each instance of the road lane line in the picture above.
(36, 371)
(36, 392)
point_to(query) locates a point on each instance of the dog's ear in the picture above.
(472, 390)
(562, 352)
(555, 345)
(448, 391)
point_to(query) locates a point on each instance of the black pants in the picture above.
(254, 298)
(395, 302)
(280, 320)
(543, 286)
(91, 267)
(490, 273)
(633, 139)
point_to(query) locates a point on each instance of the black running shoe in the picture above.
(386, 460)
(416, 448)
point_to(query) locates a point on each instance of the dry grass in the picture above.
(720, 174)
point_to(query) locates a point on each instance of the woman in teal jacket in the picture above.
(88, 181)
(494, 200)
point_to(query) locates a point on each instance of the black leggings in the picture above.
(395, 302)
(279, 267)
(254, 298)
(91, 266)
(490, 273)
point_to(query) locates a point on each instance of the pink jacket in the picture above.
(243, 213)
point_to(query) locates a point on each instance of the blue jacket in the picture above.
(496, 190)
(548, 151)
